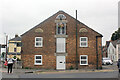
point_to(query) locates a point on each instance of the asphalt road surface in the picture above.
(113, 74)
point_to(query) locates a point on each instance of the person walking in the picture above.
(10, 61)
(118, 64)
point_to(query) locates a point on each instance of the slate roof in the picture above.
(15, 39)
(114, 43)
(118, 42)
(107, 43)
(100, 35)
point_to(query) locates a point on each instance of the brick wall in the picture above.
(49, 45)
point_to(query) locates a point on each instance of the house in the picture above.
(52, 44)
(113, 51)
(2, 54)
(15, 47)
(104, 49)
(118, 49)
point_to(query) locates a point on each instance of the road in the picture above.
(111, 74)
(73, 75)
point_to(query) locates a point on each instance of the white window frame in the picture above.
(84, 42)
(61, 29)
(39, 42)
(38, 60)
(63, 49)
(84, 59)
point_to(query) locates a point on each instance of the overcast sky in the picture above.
(18, 16)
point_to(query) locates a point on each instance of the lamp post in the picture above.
(6, 45)
(0, 51)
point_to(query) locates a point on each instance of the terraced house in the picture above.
(53, 44)
(15, 47)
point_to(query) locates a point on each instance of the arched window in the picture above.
(61, 17)
(61, 28)
(61, 24)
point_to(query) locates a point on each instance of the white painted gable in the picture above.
(112, 52)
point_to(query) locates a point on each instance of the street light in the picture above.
(6, 45)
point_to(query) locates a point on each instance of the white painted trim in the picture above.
(37, 59)
(84, 41)
(84, 60)
(39, 42)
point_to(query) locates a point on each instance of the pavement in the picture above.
(111, 71)
(106, 68)
(25, 71)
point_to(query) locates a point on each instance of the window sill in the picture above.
(84, 47)
(37, 64)
(61, 36)
(38, 46)
(83, 64)
(60, 54)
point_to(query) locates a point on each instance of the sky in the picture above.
(18, 16)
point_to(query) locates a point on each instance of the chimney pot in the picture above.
(16, 35)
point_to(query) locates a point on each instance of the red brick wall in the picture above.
(49, 45)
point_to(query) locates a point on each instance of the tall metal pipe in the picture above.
(76, 44)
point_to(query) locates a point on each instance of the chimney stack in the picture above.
(16, 35)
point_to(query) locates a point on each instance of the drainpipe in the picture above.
(96, 52)
(76, 44)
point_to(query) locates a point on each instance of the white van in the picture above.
(106, 61)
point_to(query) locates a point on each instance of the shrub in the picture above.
(71, 68)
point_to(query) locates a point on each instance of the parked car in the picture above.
(107, 61)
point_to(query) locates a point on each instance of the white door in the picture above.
(60, 62)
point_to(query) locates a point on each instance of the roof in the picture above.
(100, 35)
(118, 42)
(107, 43)
(114, 43)
(15, 39)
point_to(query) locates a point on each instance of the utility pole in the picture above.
(76, 44)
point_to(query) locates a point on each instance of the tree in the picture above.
(115, 35)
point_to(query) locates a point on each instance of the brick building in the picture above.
(52, 44)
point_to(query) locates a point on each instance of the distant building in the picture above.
(104, 49)
(113, 50)
(118, 49)
(2, 57)
(15, 47)
(52, 44)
